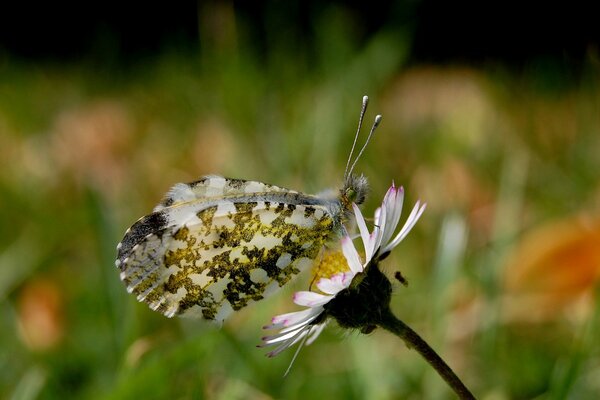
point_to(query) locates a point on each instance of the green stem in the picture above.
(414, 341)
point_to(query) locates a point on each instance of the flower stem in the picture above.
(412, 339)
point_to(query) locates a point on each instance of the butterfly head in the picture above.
(355, 190)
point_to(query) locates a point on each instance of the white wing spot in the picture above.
(306, 245)
(284, 260)
(266, 218)
(259, 275)
(237, 253)
(218, 287)
(223, 312)
(253, 187)
(181, 192)
(201, 279)
(215, 186)
(225, 207)
(304, 263)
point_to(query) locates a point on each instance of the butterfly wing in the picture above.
(215, 187)
(209, 256)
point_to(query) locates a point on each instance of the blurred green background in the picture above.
(500, 138)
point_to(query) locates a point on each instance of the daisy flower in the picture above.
(338, 292)
(360, 297)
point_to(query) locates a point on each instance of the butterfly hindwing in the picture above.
(207, 256)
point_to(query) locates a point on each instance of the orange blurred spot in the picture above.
(137, 350)
(553, 269)
(214, 147)
(454, 99)
(40, 313)
(92, 143)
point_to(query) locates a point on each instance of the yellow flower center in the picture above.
(333, 262)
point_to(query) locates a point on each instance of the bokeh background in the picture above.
(491, 114)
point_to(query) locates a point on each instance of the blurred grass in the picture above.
(496, 155)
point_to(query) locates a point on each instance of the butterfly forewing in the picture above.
(217, 245)
(214, 187)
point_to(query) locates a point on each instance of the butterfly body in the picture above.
(216, 245)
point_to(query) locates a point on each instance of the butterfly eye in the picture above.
(351, 195)
(355, 190)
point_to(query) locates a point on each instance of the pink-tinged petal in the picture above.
(344, 278)
(285, 333)
(310, 299)
(408, 225)
(351, 255)
(391, 205)
(412, 218)
(314, 332)
(374, 240)
(280, 337)
(283, 320)
(393, 211)
(389, 196)
(327, 286)
(380, 229)
(333, 285)
(284, 346)
(315, 312)
(362, 227)
(289, 343)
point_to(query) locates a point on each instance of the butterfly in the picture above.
(215, 245)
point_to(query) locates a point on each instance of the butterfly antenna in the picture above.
(363, 110)
(373, 127)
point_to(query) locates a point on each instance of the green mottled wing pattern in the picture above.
(216, 245)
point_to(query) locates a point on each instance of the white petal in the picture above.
(310, 299)
(314, 332)
(389, 196)
(408, 225)
(377, 216)
(283, 320)
(289, 343)
(379, 229)
(315, 312)
(333, 285)
(351, 255)
(344, 278)
(393, 206)
(364, 231)
(280, 337)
